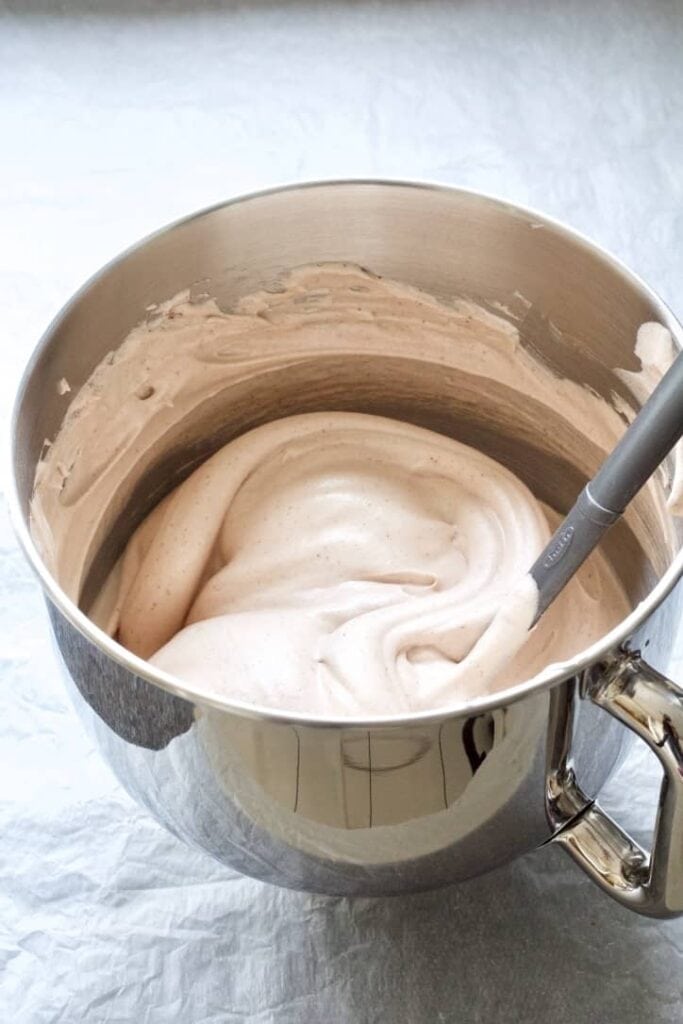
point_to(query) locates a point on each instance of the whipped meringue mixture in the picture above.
(334, 562)
(349, 564)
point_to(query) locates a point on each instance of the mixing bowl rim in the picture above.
(552, 675)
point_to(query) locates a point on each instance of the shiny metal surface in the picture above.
(646, 702)
(406, 802)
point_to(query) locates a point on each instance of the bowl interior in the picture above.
(573, 306)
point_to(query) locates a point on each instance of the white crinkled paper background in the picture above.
(118, 117)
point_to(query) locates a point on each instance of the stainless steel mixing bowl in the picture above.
(408, 802)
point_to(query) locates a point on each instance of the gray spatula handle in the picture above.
(646, 443)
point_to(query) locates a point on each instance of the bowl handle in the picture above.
(652, 706)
